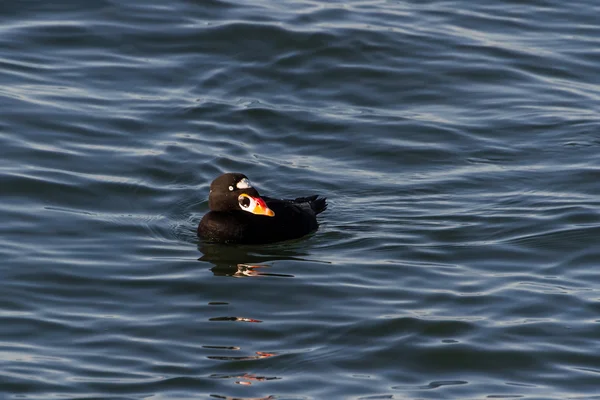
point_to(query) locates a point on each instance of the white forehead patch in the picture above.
(244, 184)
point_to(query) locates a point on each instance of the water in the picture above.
(458, 144)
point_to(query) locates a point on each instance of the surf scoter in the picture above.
(238, 214)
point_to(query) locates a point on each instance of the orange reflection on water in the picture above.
(216, 396)
(252, 377)
(258, 356)
(234, 319)
(245, 270)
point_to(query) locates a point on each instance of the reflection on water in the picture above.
(219, 254)
(247, 261)
(236, 319)
(431, 385)
(222, 347)
(216, 396)
(246, 379)
(243, 262)
(244, 270)
(258, 356)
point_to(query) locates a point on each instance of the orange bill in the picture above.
(255, 205)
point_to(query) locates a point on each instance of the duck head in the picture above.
(234, 192)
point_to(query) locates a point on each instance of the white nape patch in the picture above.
(244, 184)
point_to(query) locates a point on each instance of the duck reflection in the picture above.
(245, 379)
(234, 319)
(247, 261)
(259, 355)
(218, 396)
(244, 270)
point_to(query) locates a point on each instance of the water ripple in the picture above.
(457, 144)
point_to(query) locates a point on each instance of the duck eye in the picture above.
(231, 188)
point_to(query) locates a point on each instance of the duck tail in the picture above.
(319, 205)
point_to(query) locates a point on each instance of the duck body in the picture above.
(240, 215)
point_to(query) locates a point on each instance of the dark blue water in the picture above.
(458, 144)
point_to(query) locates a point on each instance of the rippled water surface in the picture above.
(458, 143)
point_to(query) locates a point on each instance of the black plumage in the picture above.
(238, 214)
